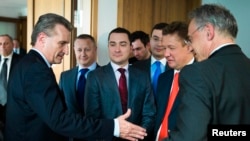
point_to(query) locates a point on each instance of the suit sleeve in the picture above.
(44, 99)
(149, 107)
(92, 104)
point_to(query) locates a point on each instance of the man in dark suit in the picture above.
(6, 52)
(35, 109)
(178, 55)
(102, 96)
(157, 55)
(17, 49)
(85, 51)
(214, 91)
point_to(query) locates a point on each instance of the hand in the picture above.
(128, 130)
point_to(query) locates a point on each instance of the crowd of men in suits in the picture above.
(176, 85)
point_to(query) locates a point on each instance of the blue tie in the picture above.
(156, 75)
(81, 88)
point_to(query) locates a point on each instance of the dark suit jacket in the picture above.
(22, 52)
(35, 109)
(214, 91)
(67, 84)
(102, 98)
(163, 91)
(165, 81)
(14, 61)
(145, 65)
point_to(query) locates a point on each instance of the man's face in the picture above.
(55, 46)
(119, 48)
(177, 52)
(6, 45)
(157, 49)
(198, 41)
(85, 51)
(139, 50)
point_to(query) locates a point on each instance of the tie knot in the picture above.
(83, 71)
(121, 70)
(157, 63)
(5, 60)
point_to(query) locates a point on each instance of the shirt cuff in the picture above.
(117, 128)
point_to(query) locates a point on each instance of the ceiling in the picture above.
(13, 8)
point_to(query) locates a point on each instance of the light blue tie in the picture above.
(156, 75)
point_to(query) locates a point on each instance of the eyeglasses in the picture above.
(188, 41)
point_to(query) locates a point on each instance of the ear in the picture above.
(210, 31)
(41, 38)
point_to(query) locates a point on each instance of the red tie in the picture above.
(123, 89)
(164, 126)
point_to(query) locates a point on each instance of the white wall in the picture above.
(240, 10)
(107, 20)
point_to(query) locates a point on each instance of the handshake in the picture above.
(128, 130)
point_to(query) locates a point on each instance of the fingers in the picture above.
(132, 132)
(126, 115)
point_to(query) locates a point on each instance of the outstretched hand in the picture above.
(128, 130)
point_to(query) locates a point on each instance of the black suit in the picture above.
(22, 51)
(14, 61)
(35, 109)
(214, 91)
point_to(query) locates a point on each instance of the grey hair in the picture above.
(46, 24)
(218, 16)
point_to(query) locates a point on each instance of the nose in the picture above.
(167, 53)
(66, 49)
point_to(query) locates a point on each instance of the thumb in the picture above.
(127, 114)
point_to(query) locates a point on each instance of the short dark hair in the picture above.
(177, 27)
(159, 26)
(120, 30)
(7, 35)
(86, 36)
(141, 35)
(46, 24)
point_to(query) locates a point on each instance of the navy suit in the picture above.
(145, 65)
(68, 86)
(36, 111)
(163, 91)
(102, 98)
(214, 91)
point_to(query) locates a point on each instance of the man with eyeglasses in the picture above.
(215, 92)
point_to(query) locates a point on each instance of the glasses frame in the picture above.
(188, 41)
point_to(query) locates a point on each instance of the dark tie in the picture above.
(81, 87)
(156, 75)
(123, 89)
(3, 75)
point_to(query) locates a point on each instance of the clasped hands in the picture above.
(128, 130)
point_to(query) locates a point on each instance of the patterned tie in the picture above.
(81, 88)
(3, 75)
(123, 89)
(156, 75)
(164, 126)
